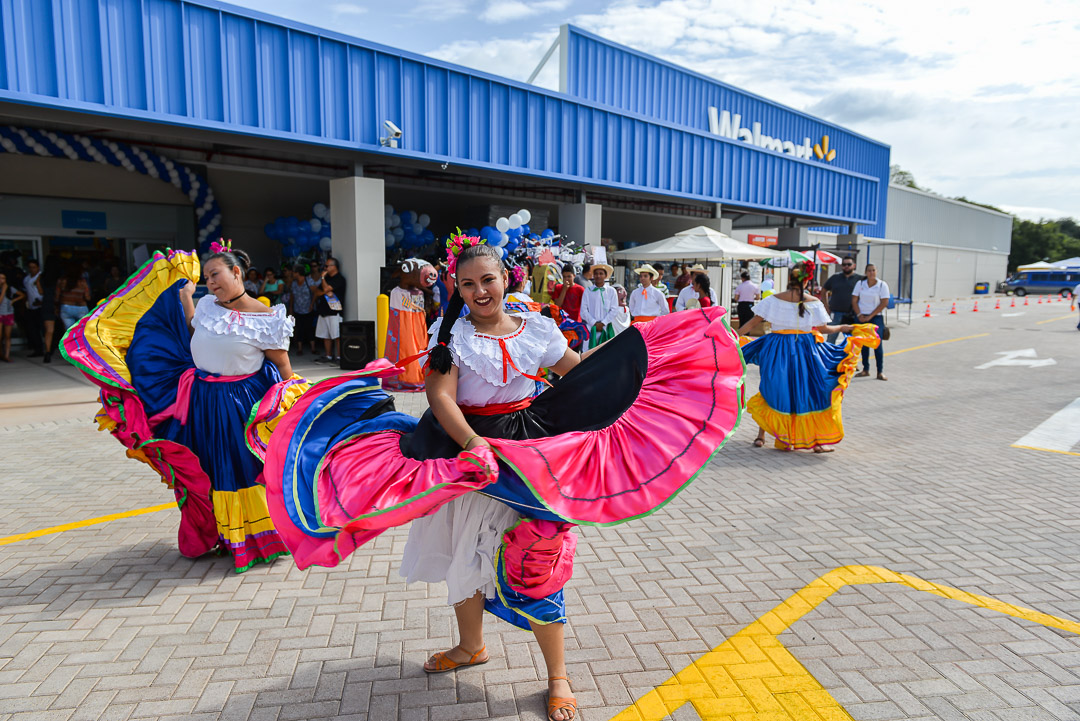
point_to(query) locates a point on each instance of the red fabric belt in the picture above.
(496, 409)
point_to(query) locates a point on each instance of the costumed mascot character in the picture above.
(406, 331)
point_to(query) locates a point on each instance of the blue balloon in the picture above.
(325, 232)
(305, 226)
(548, 233)
(514, 232)
(204, 247)
(428, 235)
(407, 218)
(534, 236)
(524, 229)
(487, 232)
(502, 252)
(473, 233)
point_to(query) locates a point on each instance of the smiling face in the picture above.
(224, 282)
(871, 274)
(482, 284)
(599, 277)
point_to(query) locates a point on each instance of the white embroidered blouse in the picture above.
(485, 373)
(232, 343)
(784, 315)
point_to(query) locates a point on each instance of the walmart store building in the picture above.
(133, 124)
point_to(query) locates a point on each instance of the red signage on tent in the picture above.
(762, 240)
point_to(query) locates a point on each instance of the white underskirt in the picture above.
(457, 544)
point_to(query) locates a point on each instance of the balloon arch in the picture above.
(51, 144)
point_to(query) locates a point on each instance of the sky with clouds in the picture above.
(978, 99)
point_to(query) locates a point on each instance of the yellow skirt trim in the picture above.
(824, 427)
(242, 513)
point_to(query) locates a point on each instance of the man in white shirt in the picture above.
(869, 299)
(1075, 293)
(600, 306)
(648, 301)
(688, 292)
(745, 295)
(34, 322)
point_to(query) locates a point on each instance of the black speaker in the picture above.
(357, 344)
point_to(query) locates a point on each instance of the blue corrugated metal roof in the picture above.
(214, 66)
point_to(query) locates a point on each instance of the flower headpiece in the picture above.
(216, 247)
(456, 243)
(802, 270)
(517, 275)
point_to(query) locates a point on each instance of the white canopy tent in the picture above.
(702, 244)
(1041, 265)
(698, 243)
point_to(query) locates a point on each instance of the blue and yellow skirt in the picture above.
(803, 379)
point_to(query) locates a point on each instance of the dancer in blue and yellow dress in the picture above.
(180, 383)
(803, 378)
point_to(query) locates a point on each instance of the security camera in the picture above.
(391, 140)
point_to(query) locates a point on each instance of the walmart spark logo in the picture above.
(821, 150)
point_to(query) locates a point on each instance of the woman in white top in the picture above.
(648, 302)
(196, 374)
(802, 377)
(484, 368)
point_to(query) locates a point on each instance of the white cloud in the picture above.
(501, 11)
(347, 8)
(1028, 213)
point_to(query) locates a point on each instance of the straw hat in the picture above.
(648, 269)
(697, 268)
(603, 266)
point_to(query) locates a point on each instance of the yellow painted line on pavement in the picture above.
(1060, 317)
(1046, 450)
(83, 524)
(940, 342)
(752, 675)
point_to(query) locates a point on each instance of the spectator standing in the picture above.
(329, 298)
(1075, 293)
(688, 292)
(745, 295)
(271, 287)
(870, 298)
(567, 295)
(301, 292)
(838, 290)
(684, 279)
(9, 296)
(660, 284)
(72, 295)
(32, 287)
(648, 301)
(251, 283)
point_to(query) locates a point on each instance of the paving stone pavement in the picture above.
(110, 622)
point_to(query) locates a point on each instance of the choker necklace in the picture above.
(230, 302)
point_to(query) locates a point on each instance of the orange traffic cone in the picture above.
(1013, 304)
(997, 304)
(976, 308)
(953, 311)
(1025, 301)
(1039, 301)
(927, 313)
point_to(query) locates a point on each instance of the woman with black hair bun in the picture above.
(803, 378)
(185, 387)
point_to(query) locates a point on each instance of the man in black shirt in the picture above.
(330, 297)
(838, 294)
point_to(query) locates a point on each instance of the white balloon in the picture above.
(515, 221)
(316, 225)
(417, 229)
(390, 239)
(388, 210)
(319, 209)
(398, 233)
(424, 220)
(395, 220)
(502, 225)
(326, 216)
(324, 244)
(503, 239)
(525, 216)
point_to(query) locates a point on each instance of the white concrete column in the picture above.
(356, 208)
(580, 222)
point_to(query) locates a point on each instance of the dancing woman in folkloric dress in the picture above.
(493, 476)
(180, 382)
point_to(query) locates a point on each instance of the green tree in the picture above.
(1050, 239)
(899, 176)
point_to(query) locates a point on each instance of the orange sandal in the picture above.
(567, 705)
(441, 663)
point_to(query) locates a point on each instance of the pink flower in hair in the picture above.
(454, 245)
